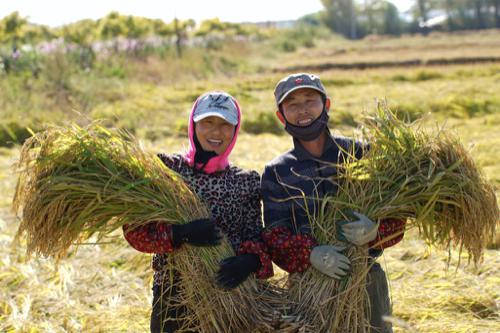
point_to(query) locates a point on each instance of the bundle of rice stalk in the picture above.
(75, 183)
(78, 182)
(255, 306)
(407, 173)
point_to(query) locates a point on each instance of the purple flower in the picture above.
(16, 54)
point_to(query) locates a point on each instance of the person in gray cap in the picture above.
(213, 128)
(303, 172)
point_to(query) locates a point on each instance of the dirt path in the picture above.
(387, 64)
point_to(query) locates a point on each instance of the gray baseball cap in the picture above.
(218, 104)
(297, 81)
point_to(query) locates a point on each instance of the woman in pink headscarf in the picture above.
(232, 194)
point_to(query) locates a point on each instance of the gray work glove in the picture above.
(328, 260)
(361, 231)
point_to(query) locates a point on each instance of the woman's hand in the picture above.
(235, 270)
(201, 232)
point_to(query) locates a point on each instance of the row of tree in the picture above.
(351, 18)
(16, 30)
(462, 14)
(357, 18)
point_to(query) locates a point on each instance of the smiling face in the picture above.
(214, 134)
(303, 106)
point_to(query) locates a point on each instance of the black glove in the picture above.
(200, 232)
(235, 270)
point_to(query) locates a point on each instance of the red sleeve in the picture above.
(290, 252)
(266, 266)
(390, 232)
(153, 237)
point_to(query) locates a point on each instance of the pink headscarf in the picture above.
(219, 162)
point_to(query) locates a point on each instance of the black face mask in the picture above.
(202, 156)
(311, 131)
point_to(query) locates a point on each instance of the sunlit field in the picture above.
(106, 287)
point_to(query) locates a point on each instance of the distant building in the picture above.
(435, 23)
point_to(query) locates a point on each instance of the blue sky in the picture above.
(57, 12)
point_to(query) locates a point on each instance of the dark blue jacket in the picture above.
(292, 182)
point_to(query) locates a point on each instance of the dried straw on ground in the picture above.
(408, 173)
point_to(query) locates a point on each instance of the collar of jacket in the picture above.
(302, 154)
